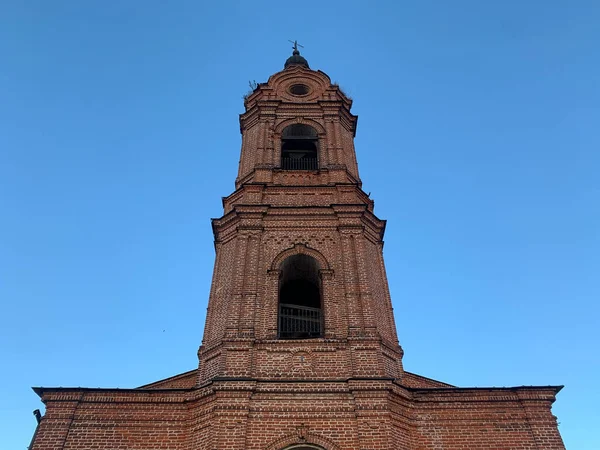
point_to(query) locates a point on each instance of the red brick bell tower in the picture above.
(299, 289)
(300, 348)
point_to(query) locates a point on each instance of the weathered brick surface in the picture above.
(344, 390)
(343, 414)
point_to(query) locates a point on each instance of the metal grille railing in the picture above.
(300, 163)
(297, 322)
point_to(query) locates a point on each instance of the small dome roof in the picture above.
(296, 60)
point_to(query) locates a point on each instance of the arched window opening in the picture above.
(300, 298)
(299, 148)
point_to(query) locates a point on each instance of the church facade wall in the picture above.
(342, 415)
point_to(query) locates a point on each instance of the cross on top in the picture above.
(296, 45)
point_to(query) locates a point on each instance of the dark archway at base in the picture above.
(303, 447)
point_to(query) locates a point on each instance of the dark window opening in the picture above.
(300, 315)
(299, 148)
(299, 89)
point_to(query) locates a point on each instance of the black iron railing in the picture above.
(300, 163)
(299, 322)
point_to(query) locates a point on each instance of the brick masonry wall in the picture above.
(346, 242)
(341, 415)
(109, 419)
(473, 418)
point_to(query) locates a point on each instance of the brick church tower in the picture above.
(300, 348)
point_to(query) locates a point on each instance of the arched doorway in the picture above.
(303, 447)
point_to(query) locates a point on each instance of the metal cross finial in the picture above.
(296, 45)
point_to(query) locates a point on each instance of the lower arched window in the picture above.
(300, 312)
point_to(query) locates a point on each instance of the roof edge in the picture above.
(555, 388)
(448, 385)
(41, 390)
(174, 377)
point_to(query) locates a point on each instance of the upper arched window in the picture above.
(299, 147)
(300, 298)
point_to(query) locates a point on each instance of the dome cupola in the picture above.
(296, 59)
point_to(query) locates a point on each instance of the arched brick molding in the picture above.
(304, 447)
(305, 121)
(318, 82)
(302, 439)
(303, 249)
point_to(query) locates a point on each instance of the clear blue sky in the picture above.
(478, 138)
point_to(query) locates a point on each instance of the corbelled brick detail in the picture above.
(344, 390)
